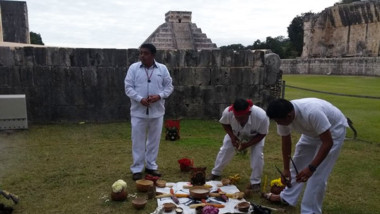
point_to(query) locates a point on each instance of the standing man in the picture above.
(147, 84)
(323, 129)
(246, 126)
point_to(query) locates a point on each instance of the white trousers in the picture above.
(305, 151)
(227, 152)
(146, 135)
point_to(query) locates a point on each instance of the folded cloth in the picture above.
(229, 206)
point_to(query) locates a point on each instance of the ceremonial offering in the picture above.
(119, 191)
(179, 210)
(199, 192)
(139, 203)
(161, 183)
(168, 207)
(276, 186)
(198, 176)
(185, 164)
(143, 185)
(225, 181)
(243, 206)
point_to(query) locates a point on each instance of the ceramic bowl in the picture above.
(168, 207)
(199, 192)
(143, 185)
(119, 196)
(243, 206)
(139, 203)
(161, 183)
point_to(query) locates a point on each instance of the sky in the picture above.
(127, 23)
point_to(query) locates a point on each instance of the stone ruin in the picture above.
(344, 30)
(178, 32)
(341, 40)
(14, 25)
(87, 84)
(77, 84)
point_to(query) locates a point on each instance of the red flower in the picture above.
(185, 162)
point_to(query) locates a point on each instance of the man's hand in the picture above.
(235, 142)
(286, 174)
(304, 175)
(154, 98)
(145, 102)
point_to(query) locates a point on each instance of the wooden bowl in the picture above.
(139, 203)
(143, 185)
(168, 207)
(161, 183)
(199, 192)
(243, 206)
(119, 196)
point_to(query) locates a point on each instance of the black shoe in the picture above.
(137, 176)
(153, 172)
(213, 177)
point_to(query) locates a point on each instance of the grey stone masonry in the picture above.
(178, 32)
(14, 26)
(65, 84)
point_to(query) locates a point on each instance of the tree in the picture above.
(235, 47)
(35, 38)
(295, 31)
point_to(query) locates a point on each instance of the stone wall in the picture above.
(14, 26)
(344, 30)
(364, 66)
(63, 84)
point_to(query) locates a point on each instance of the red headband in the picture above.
(241, 112)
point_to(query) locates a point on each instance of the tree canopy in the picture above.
(35, 38)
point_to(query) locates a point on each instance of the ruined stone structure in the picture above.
(363, 66)
(64, 84)
(344, 30)
(178, 32)
(14, 25)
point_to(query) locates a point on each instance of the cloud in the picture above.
(126, 24)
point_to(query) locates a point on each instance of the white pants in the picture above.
(146, 135)
(227, 152)
(305, 151)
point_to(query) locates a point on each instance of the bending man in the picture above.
(323, 128)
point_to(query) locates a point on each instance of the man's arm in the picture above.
(286, 151)
(257, 138)
(234, 139)
(129, 85)
(327, 143)
(167, 84)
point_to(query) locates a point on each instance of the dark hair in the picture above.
(150, 47)
(240, 104)
(279, 108)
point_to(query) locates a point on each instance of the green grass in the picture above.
(70, 168)
(365, 113)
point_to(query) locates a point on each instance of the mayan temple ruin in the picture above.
(343, 30)
(178, 32)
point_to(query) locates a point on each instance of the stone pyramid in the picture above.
(178, 32)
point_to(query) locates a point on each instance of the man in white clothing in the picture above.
(147, 84)
(246, 126)
(323, 128)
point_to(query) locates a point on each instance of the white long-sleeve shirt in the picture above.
(137, 87)
(314, 116)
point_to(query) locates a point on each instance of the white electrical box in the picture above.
(13, 112)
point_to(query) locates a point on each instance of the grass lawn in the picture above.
(69, 168)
